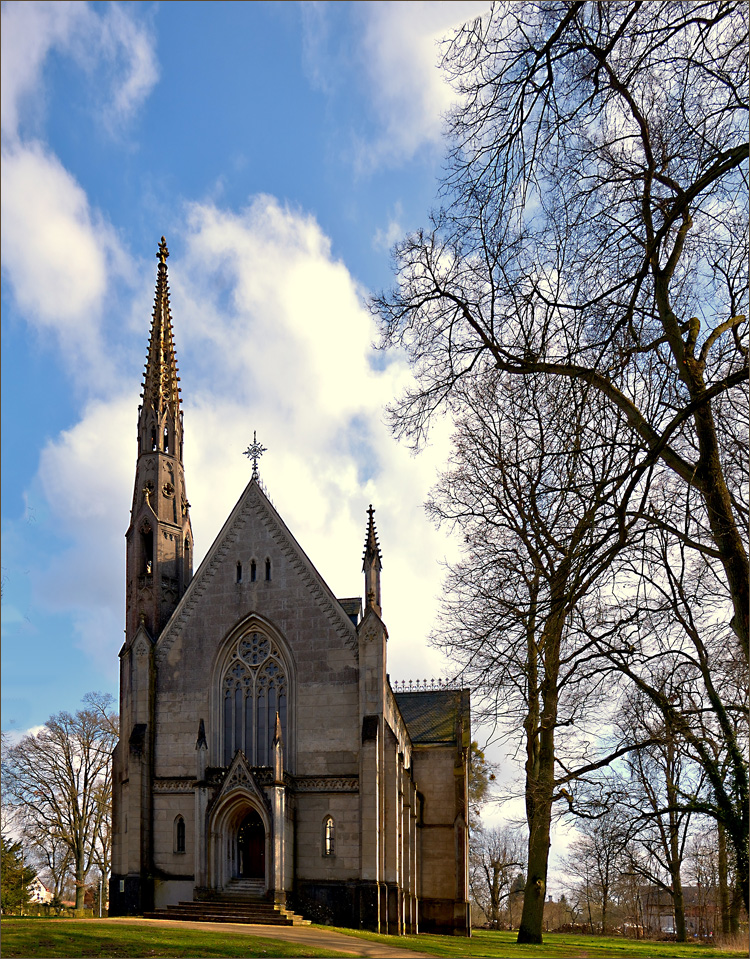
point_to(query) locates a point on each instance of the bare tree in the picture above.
(52, 859)
(61, 778)
(669, 642)
(594, 231)
(598, 859)
(655, 798)
(537, 495)
(497, 855)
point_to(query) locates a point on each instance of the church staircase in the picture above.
(242, 901)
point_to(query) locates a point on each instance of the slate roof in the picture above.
(352, 608)
(432, 717)
(352, 605)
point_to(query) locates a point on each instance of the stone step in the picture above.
(258, 912)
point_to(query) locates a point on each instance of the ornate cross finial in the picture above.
(163, 253)
(254, 452)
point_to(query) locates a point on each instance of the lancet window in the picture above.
(254, 688)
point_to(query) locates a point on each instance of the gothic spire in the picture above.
(160, 389)
(372, 564)
(160, 538)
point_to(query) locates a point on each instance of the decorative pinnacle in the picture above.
(163, 253)
(372, 547)
(254, 452)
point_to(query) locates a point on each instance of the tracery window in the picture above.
(254, 688)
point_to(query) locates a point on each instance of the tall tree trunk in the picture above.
(730, 898)
(532, 915)
(674, 842)
(540, 776)
(80, 883)
(723, 881)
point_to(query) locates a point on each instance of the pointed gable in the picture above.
(240, 777)
(254, 504)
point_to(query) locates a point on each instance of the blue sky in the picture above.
(281, 148)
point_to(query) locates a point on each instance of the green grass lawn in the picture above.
(503, 946)
(95, 939)
(81, 939)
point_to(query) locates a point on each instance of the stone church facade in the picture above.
(263, 752)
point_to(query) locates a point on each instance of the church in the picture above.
(264, 756)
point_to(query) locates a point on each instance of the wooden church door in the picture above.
(251, 847)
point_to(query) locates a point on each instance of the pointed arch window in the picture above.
(253, 571)
(147, 550)
(254, 688)
(268, 570)
(179, 834)
(329, 836)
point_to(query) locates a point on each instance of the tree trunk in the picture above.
(674, 860)
(80, 883)
(532, 915)
(723, 881)
(540, 779)
(679, 903)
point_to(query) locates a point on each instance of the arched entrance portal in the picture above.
(251, 847)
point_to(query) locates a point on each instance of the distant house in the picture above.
(658, 910)
(38, 892)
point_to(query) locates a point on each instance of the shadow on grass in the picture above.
(99, 939)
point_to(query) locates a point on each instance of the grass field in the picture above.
(502, 945)
(82, 939)
(92, 939)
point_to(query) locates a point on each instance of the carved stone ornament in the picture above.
(327, 784)
(168, 489)
(173, 785)
(240, 776)
(141, 649)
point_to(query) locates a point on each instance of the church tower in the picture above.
(159, 539)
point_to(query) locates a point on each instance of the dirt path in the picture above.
(303, 935)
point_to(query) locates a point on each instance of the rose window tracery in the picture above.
(255, 689)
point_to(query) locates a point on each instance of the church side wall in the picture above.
(171, 864)
(441, 892)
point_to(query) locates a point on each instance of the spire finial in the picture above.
(254, 452)
(163, 253)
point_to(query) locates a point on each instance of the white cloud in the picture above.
(126, 46)
(57, 254)
(111, 42)
(272, 335)
(401, 51)
(29, 31)
(87, 478)
(385, 239)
